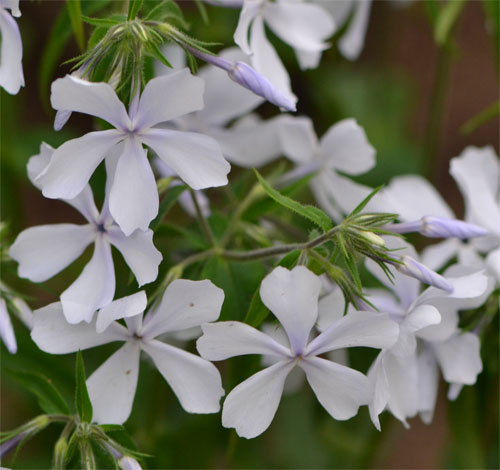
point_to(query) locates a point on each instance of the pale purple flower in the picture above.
(411, 267)
(303, 26)
(11, 54)
(133, 200)
(45, 250)
(405, 376)
(20, 310)
(185, 304)
(292, 296)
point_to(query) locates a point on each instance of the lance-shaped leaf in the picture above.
(314, 214)
(82, 399)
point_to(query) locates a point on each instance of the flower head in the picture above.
(292, 296)
(185, 304)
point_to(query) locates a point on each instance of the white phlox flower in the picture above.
(303, 26)
(405, 376)
(11, 53)
(195, 381)
(245, 139)
(477, 173)
(133, 200)
(45, 250)
(344, 148)
(292, 296)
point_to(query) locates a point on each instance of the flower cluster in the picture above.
(191, 129)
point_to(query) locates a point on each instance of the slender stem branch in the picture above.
(256, 192)
(201, 219)
(262, 253)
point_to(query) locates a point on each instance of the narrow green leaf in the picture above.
(154, 50)
(203, 11)
(432, 10)
(49, 398)
(75, 15)
(365, 201)
(475, 122)
(105, 22)
(448, 16)
(167, 203)
(314, 214)
(82, 399)
(133, 8)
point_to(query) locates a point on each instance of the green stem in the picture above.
(262, 253)
(207, 231)
(255, 193)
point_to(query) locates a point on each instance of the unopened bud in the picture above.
(439, 227)
(372, 238)
(413, 268)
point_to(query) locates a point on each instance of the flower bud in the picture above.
(439, 227)
(411, 267)
(372, 238)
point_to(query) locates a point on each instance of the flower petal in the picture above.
(38, 163)
(184, 304)
(346, 148)
(493, 262)
(11, 66)
(133, 200)
(84, 203)
(401, 196)
(292, 296)
(381, 392)
(304, 26)
(249, 11)
(112, 386)
(196, 158)
(340, 390)
(428, 381)
(459, 358)
(368, 329)
(223, 340)
(330, 308)
(73, 163)
(6, 329)
(93, 289)
(195, 381)
(45, 250)
(251, 406)
(168, 97)
(97, 99)
(352, 42)
(53, 334)
(138, 251)
(125, 307)
(437, 255)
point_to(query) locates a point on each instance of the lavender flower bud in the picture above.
(248, 77)
(439, 227)
(413, 268)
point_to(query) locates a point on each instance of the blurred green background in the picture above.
(389, 90)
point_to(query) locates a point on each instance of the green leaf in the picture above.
(154, 50)
(314, 214)
(432, 10)
(203, 11)
(49, 398)
(365, 201)
(475, 122)
(82, 399)
(167, 203)
(446, 19)
(104, 22)
(133, 8)
(75, 15)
